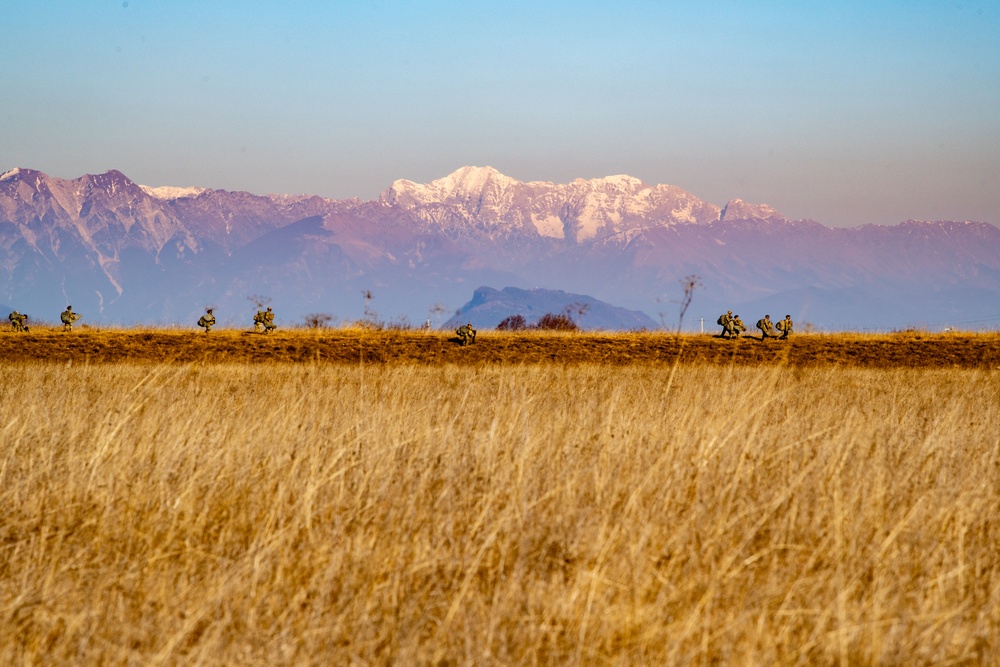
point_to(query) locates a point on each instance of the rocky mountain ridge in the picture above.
(126, 252)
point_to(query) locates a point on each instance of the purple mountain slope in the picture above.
(121, 252)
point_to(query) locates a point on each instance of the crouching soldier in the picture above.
(68, 317)
(258, 321)
(466, 333)
(784, 326)
(268, 321)
(207, 320)
(766, 328)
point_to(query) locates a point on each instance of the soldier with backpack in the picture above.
(68, 317)
(17, 321)
(766, 328)
(207, 320)
(466, 333)
(268, 321)
(726, 322)
(784, 326)
(738, 326)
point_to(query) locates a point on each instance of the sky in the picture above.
(847, 113)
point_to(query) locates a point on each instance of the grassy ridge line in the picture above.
(382, 347)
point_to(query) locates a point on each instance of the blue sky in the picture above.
(844, 112)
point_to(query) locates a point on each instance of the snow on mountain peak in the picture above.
(582, 209)
(462, 184)
(167, 192)
(623, 181)
(10, 174)
(737, 209)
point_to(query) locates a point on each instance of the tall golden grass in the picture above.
(218, 514)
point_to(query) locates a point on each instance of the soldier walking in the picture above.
(466, 333)
(738, 326)
(68, 317)
(766, 328)
(207, 320)
(726, 321)
(785, 327)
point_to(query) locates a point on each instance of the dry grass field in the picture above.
(906, 349)
(176, 498)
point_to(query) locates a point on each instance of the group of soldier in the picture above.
(18, 320)
(732, 326)
(263, 321)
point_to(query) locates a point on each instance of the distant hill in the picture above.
(489, 307)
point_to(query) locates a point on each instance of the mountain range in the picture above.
(121, 252)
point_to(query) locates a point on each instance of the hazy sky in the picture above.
(844, 112)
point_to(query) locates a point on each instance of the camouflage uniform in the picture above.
(17, 321)
(68, 317)
(766, 328)
(258, 321)
(268, 321)
(738, 326)
(726, 321)
(207, 320)
(784, 326)
(466, 333)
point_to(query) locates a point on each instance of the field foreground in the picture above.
(165, 513)
(908, 349)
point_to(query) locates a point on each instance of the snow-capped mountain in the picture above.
(482, 198)
(123, 252)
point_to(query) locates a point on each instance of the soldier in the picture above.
(15, 321)
(738, 326)
(466, 333)
(207, 320)
(258, 321)
(268, 321)
(785, 327)
(726, 321)
(766, 328)
(68, 317)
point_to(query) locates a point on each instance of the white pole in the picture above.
(702, 324)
